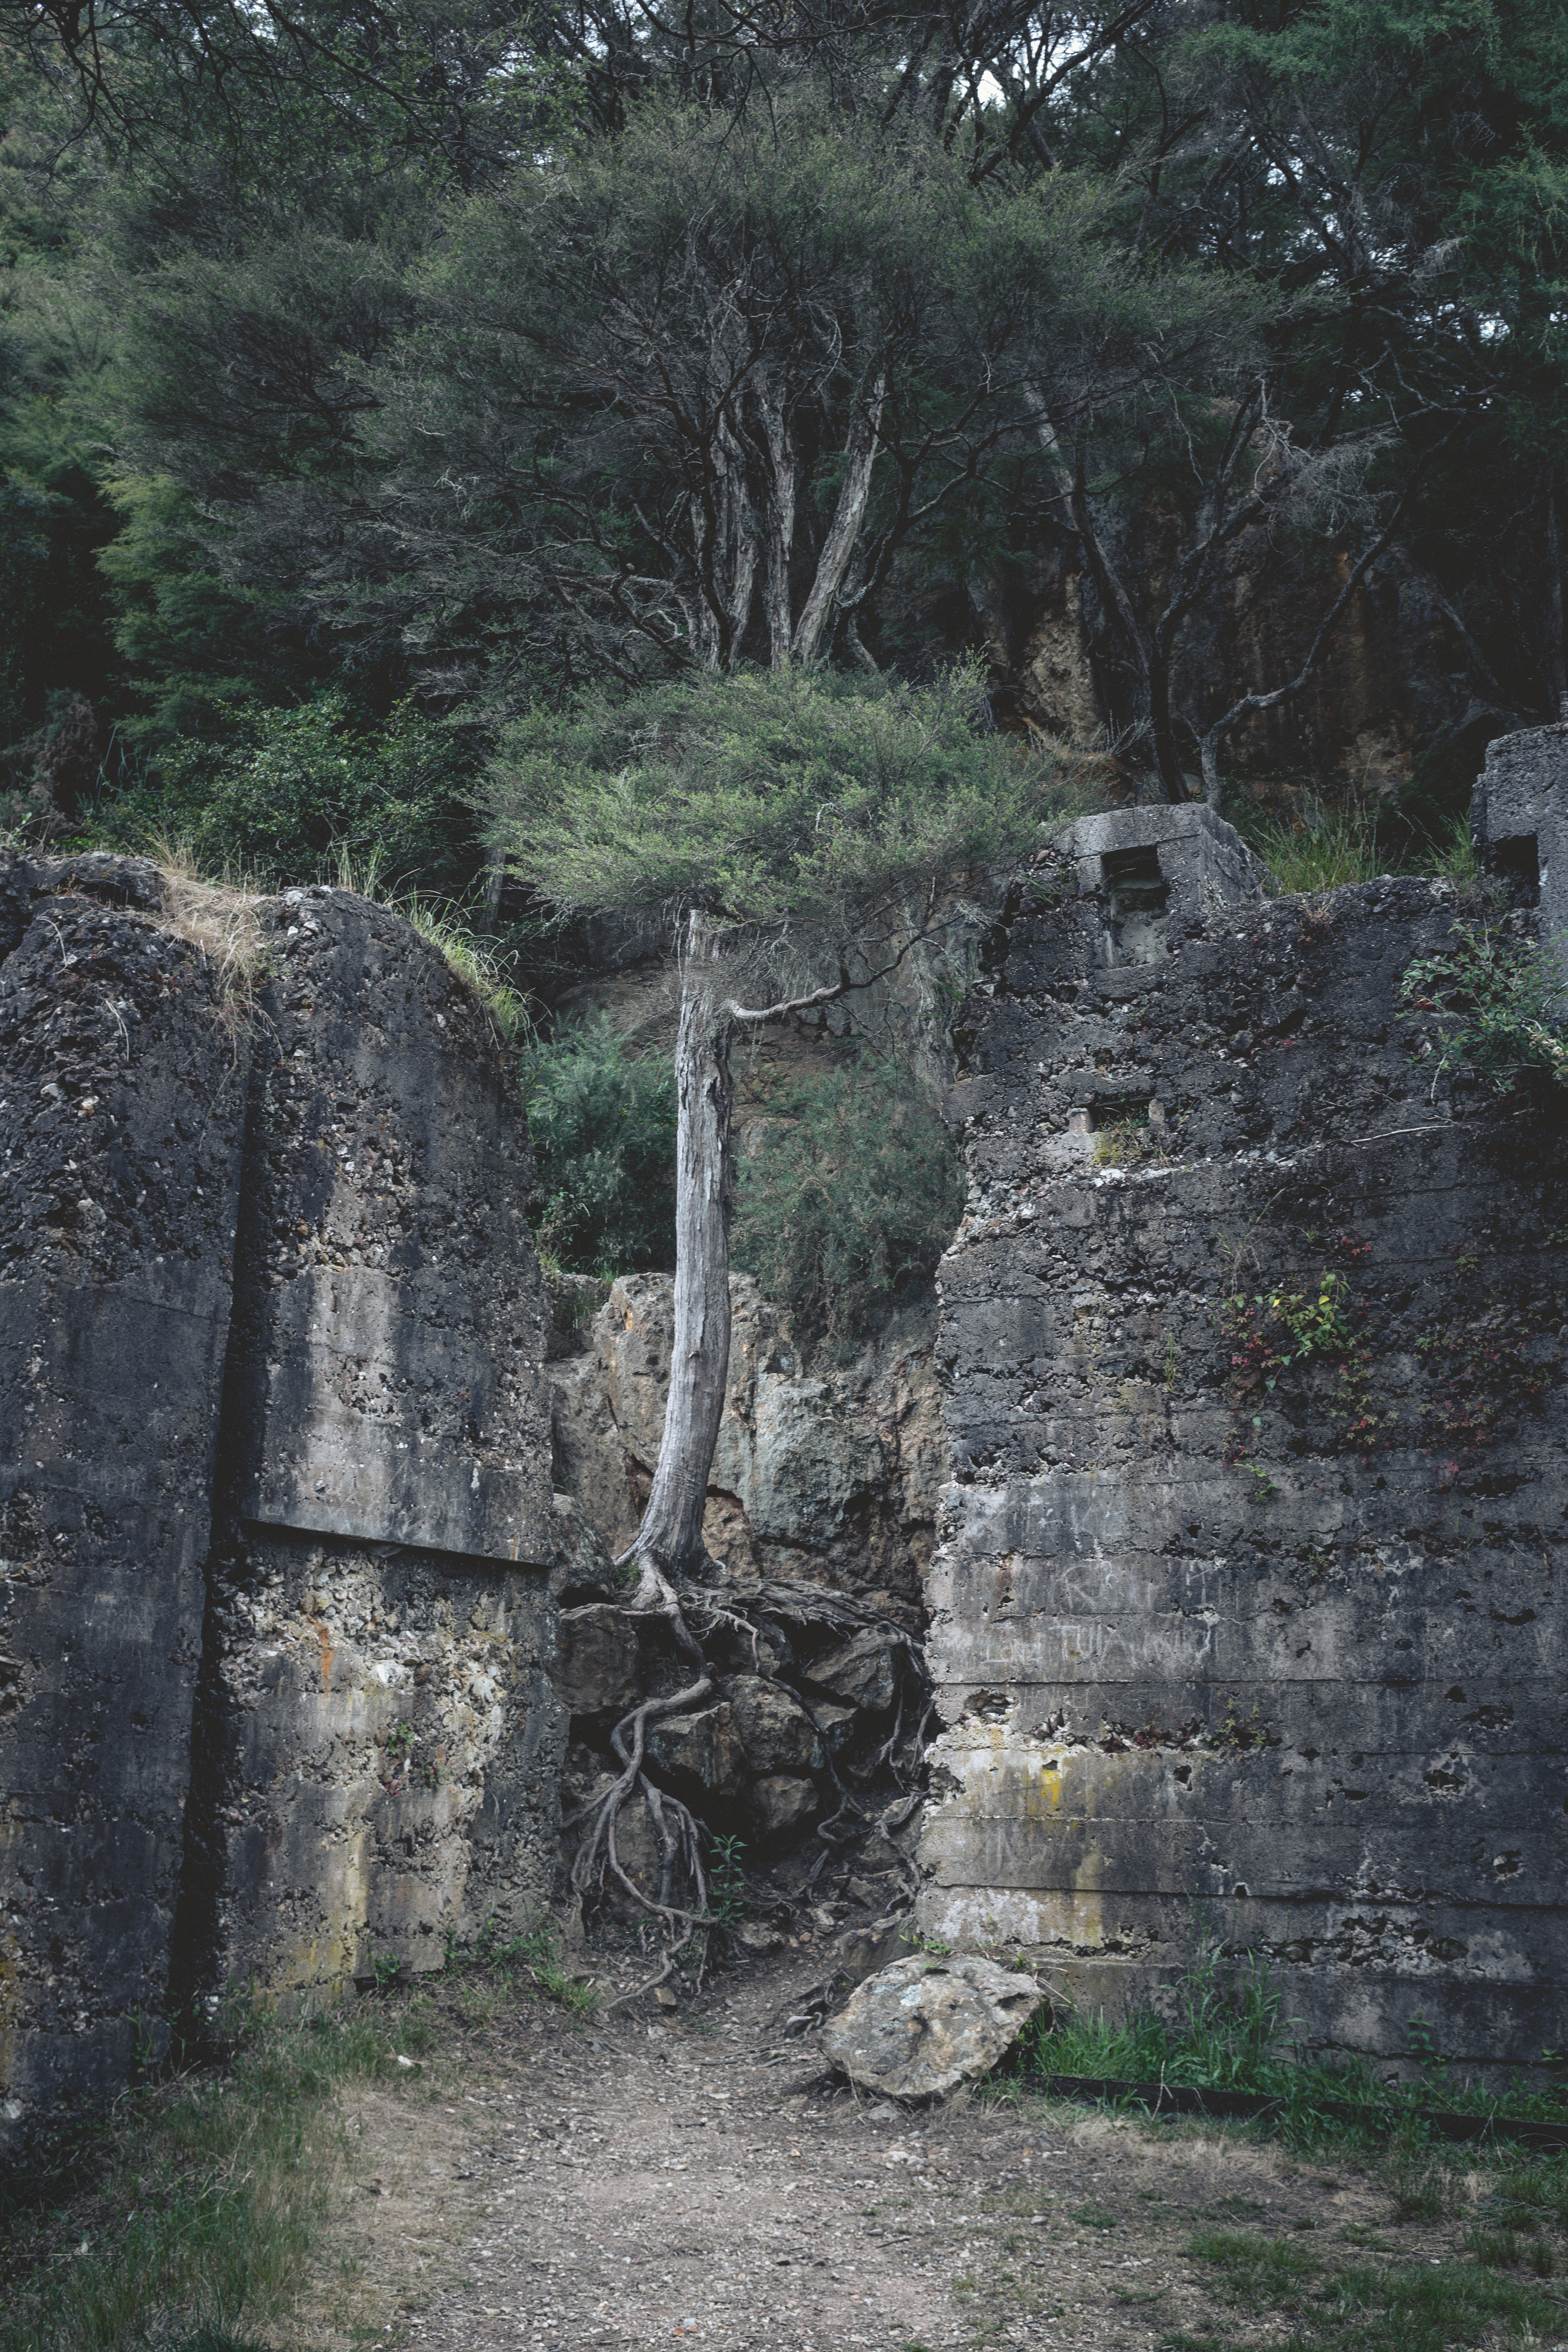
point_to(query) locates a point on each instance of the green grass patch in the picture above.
(1225, 2029)
(191, 2211)
(1407, 2307)
(187, 2219)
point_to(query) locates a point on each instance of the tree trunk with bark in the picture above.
(843, 530)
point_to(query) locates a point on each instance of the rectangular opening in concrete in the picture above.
(1136, 896)
(1516, 859)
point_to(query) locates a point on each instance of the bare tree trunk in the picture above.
(860, 453)
(669, 1539)
(778, 510)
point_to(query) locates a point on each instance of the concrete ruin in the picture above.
(1231, 1480)
(1246, 1621)
(278, 1600)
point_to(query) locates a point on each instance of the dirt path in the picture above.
(687, 2179)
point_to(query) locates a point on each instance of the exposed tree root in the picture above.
(696, 1614)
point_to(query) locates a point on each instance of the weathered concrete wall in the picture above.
(122, 1086)
(279, 1596)
(1216, 1618)
(384, 1746)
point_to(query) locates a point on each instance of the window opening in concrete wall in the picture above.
(1516, 860)
(1136, 895)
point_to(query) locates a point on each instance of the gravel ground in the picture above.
(657, 2178)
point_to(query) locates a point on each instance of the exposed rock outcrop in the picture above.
(831, 1474)
(821, 1501)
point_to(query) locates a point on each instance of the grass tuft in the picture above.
(191, 2213)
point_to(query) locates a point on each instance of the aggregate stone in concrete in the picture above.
(122, 1090)
(1239, 1642)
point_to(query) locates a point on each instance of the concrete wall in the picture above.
(122, 1094)
(1283, 1637)
(277, 1596)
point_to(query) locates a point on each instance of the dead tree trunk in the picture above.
(668, 1543)
(669, 1539)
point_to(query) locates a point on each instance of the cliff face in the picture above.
(277, 1602)
(1247, 1596)
(830, 1473)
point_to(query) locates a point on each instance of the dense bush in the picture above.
(303, 795)
(602, 1120)
(850, 1201)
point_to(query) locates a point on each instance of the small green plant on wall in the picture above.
(1269, 1332)
(1492, 1002)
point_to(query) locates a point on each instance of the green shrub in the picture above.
(1493, 1002)
(850, 1201)
(602, 1120)
(298, 794)
(1320, 850)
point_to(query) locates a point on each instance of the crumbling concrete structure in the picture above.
(1518, 822)
(278, 1598)
(1246, 1616)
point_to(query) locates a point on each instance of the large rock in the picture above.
(598, 1659)
(925, 2025)
(700, 1751)
(781, 1804)
(776, 1730)
(859, 1671)
(608, 1658)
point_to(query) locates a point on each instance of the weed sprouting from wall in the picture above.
(1493, 1002)
(1324, 1350)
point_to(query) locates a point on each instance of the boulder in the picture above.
(781, 1802)
(836, 1723)
(775, 1729)
(585, 1568)
(925, 2025)
(598, 1659)
(608, 1658)
(859, 1671)
(700, 1751)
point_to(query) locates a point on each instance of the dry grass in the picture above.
(221, 920)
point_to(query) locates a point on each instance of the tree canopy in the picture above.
(475, 353)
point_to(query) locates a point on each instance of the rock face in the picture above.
(833, 1475)
(823, 1484)
(925, 2025)
(1247, 1595)
(277, 1598)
